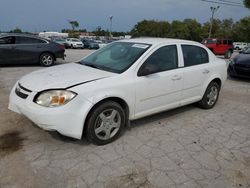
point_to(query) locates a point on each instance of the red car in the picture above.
(220, 46)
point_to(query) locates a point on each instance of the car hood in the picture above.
(242, 59)
(62, 76)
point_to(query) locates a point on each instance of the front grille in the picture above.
(22, 91)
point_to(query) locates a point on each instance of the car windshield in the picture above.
(75, 40)
(116, 57)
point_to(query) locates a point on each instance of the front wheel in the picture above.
(105, 123)
(46, 59)
(210, 97)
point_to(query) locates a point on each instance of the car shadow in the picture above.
(136, 123)
(57, 136)
(160, 116)
(239, 79)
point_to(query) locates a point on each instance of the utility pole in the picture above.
(213, 10)
(110, 29)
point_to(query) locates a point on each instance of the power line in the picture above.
(224, 3)
(233, 2)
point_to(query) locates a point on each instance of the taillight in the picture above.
(62, 47)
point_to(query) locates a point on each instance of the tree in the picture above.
(226, 28)
(74, 24)
(247, 3)
(151, 28)
(194, 29)
(179, 30)
(16, 30)
(240, 31)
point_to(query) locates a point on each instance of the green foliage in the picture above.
(241, 30)
(151, 28)
(190, 29)
(247, 3)
(74, 24)
(16, 30)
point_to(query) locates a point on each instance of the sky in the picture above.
(54, 15)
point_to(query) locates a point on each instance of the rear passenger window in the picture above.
(194, 55)
(224, 41)
(28, 40)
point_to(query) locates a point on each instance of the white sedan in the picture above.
(123, 81)
(74, 43)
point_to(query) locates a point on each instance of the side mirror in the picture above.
(147, 69)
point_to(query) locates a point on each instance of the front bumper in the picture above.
(78, 46)
(68, 119)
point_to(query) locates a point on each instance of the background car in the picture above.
(90, 44)
(240, 45)
(26, 49)
(74, 43)
(240, 65)
(101, 43)
(61, 41)
(220, 46)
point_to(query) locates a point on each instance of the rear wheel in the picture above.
(105, 123)
(46, 59)
(210, 97)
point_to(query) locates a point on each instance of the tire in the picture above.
(210, 97)
(228, 54)
(105, 123)
(46, 59)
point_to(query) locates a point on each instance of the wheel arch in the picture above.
(216, 79)
(49, 52)
(118, 100)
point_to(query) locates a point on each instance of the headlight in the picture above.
(54, 98)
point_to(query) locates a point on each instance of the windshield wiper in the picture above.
(91, 65)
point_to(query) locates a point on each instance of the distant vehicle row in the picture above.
(75, 43)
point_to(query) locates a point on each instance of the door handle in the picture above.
(176, 77)
(206, 71)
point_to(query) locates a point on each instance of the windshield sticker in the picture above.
(144, 46)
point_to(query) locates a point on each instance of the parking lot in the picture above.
(185, 147)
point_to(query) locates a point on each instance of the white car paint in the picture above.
(144, 95)
(74, 43)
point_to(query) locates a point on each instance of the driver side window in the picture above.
(163, 59)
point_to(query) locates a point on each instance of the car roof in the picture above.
(155, 41)
(22, 35)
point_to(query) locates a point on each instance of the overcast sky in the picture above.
(53, 15)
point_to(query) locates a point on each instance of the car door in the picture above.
(7, 50)
(29, 48)
(196, 71)
(159, 82)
